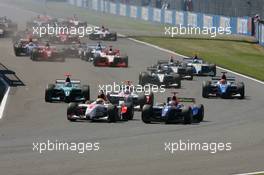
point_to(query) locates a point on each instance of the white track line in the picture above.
(253, 173)
(4, 100)
(171, 52)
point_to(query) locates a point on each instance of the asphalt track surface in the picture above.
(125, 147)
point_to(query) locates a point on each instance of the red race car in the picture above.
(46, 53)
(111, 58)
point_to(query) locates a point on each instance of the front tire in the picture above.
(49, 92)
(71, 111)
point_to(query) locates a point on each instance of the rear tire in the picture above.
(177, 80)
(200, 115)
(205, 91)
(189, 71)
(112, 114)
(86, 92)
(187, 116)
(241, 90)
(146, 113)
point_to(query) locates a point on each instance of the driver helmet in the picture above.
(174, 100)
(99, 101)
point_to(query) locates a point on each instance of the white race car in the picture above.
(99, 109)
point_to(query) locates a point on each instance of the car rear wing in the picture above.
(60, 81)
(227, 78)
(186, 100)
(190, 60)
(163, 61)
(95, 46)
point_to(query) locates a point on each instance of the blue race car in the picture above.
(173, 111)
(68, 91)
(225, 87)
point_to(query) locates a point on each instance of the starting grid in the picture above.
(239, 25)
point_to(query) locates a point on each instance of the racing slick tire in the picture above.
(187, 115)
(241, 90)
(34, 55)
(71, 110)
(17, 53)
(125, 59)
(169, 117)
(146, 114)
(189, 72)
(205, 90)
(112, 113)
(141, 100)
(143, 78)
(177, 80)
(200, 115)
(212, 67)
(86, 92)
(114, 37)
(48, 92)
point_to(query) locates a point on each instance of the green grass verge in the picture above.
(240, 56)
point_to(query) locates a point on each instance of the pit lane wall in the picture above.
(239, 25)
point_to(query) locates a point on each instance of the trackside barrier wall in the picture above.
(261, 34)
(239, 25)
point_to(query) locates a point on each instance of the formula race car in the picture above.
(47, 53)
(174, 110)
(88, 52)
(181, 68)
(68, 91)
(24, 46)
(110, 58)
(225, 87)
(63, 39)
(160, 77)
(99, 109)
(2, 30)
(127, 93)
(103, 34)
(200, 67)
(7, 27)
(73, 50)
